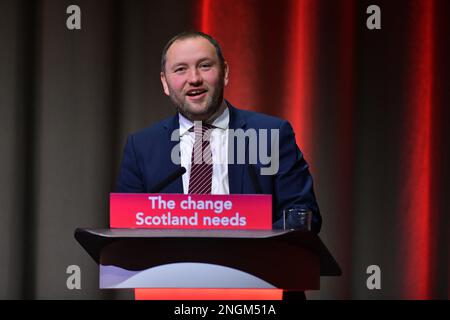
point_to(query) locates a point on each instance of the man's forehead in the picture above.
(191, 48)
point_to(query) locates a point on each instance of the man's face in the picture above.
(193, 78)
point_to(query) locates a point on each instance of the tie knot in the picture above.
(201, 127)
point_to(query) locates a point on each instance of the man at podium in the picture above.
(225, 150)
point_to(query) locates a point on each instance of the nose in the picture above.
(195, 77)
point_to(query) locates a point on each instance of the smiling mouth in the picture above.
(196, 92)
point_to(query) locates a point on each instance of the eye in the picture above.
(205, 66)
(180, 69)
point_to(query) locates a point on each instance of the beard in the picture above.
(212, 104)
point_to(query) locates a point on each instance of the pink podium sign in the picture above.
(183, 211)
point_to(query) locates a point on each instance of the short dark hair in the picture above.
(188, 35)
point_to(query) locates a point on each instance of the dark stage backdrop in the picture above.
(370, 109)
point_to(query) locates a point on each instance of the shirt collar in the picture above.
(185, 124)
(221, 122)
(223, 119)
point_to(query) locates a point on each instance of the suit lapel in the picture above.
(235, 170)
(171, 125)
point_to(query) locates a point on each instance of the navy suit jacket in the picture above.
(147, 161)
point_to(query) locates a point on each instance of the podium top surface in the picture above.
(184, 233)
(268, 242)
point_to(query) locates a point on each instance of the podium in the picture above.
(254, 261)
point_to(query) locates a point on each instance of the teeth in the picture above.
(194, 93)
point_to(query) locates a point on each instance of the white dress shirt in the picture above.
(219, 150)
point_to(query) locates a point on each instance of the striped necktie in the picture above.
(200, 179)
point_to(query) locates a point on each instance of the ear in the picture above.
(226, 70)
(164, 83)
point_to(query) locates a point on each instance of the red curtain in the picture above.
(276, 58)
(416, 233)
